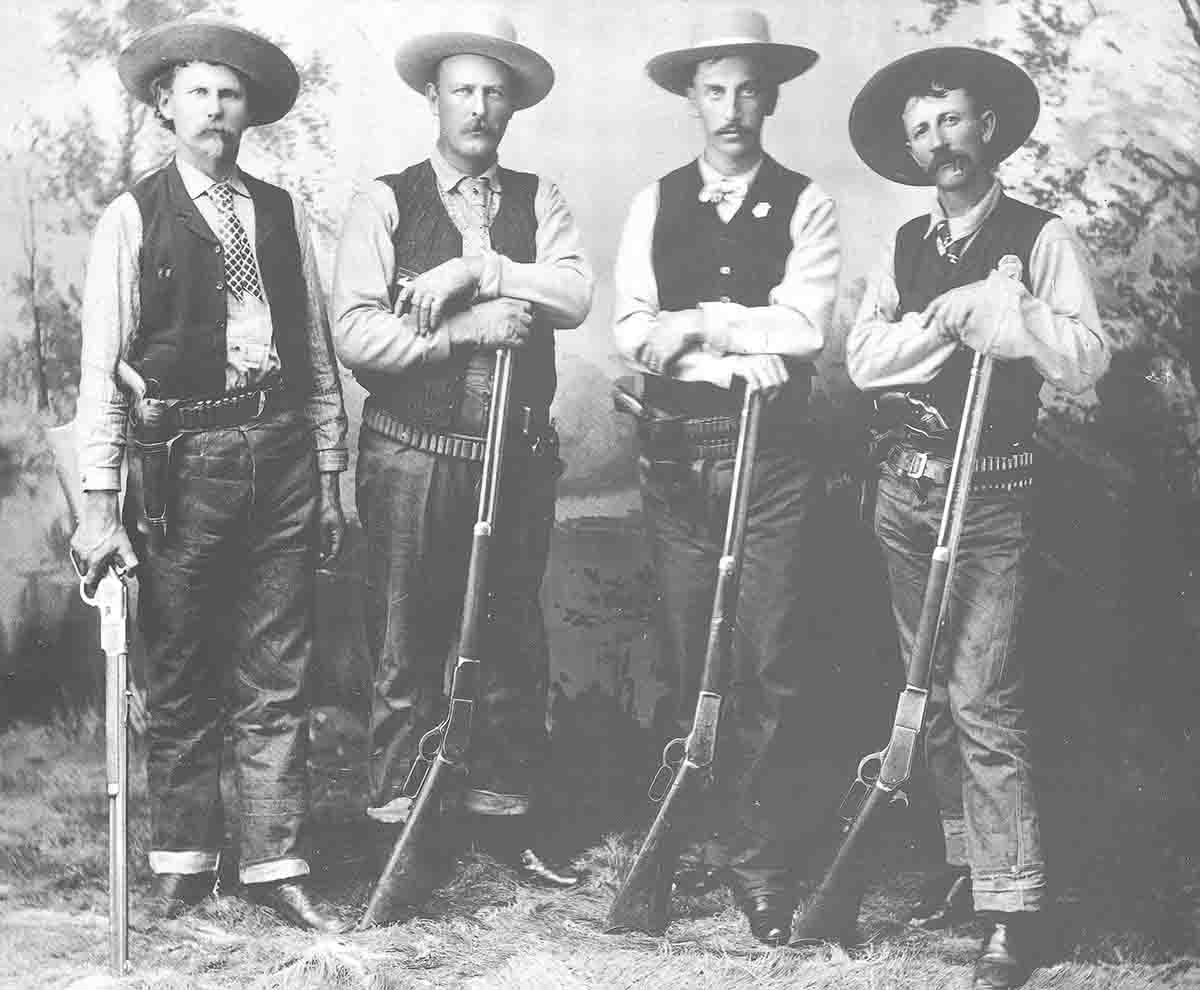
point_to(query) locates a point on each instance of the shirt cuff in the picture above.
(333, 461)
(101, 480)
(489, 276)
(727, 331)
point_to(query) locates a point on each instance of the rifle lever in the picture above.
(426, 751)
(666, 773)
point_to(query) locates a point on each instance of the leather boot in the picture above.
(770, 917)
(296, 904)
(946, 899)
(175, 893)
(1006, 955)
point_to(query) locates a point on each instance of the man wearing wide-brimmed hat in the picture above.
(438, 266)
(726, 279)
(945, 117)
(202, 297)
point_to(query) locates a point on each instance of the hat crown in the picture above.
(740, 24)
(488, 21)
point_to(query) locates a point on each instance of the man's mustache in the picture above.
(941, 158)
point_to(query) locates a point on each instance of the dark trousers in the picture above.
(977, 735)
(226, 608)
(758, 809)
(418, 511)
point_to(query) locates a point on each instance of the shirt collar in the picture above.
(972, 220)
(448, 176)
(197, 183)
(709, 175)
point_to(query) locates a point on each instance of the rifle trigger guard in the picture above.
(666, 773)
(426, 751)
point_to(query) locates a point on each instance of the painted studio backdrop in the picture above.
(1117, 152)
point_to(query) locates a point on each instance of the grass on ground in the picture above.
(1127, 916)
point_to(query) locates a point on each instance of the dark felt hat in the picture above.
(994, 82)
(204, 38)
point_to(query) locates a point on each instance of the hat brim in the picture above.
(877, 132)
(274, 78)
(675, 70)
(417, 61)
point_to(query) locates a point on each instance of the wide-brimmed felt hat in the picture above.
(205, 38)
(478, 31)
(877, 132)
(720, 33)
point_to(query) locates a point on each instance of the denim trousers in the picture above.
(418, 512)
(757, 809)
(227, 613)
(977, 732)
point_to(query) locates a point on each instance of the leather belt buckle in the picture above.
(915, 469)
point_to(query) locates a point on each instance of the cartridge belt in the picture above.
(227, 411)
(688, 438)
(531, 423)
(993, 472)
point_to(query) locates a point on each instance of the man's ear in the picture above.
(431, 93)
(987, 124)
(164, 103)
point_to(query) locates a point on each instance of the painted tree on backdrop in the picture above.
(1116, 155)
(70, 167)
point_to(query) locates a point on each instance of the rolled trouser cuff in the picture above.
(954, 832)
(1010, 892)
(187, 862)
(275, 869)
(480, 802)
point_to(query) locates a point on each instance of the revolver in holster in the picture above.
(152, 434)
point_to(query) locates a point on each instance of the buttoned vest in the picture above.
(922, 274)
(698, 258)
(425, 237)
(180, 338)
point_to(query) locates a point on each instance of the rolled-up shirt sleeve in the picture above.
(559, 281)
(885, 349)
(800, 308)
(367, 335)
(110, 313)
(325, 409)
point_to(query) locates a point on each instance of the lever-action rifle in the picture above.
(644, 901)
(832, 914)
(415, 863)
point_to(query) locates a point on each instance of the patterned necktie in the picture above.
(951, 250)
(478, 195)
(724, 190)
(241, 270)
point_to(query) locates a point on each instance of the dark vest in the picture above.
(425, 237)
(698, 258)
(922, 274)
(180, 339)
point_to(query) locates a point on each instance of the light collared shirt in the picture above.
(250, 353)
(112, 310)
(792, 324)
(1062, 324)
(369, 336)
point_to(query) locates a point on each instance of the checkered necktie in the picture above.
(951, 250)
(241, 270)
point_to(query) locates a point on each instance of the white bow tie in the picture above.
(724, 191)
